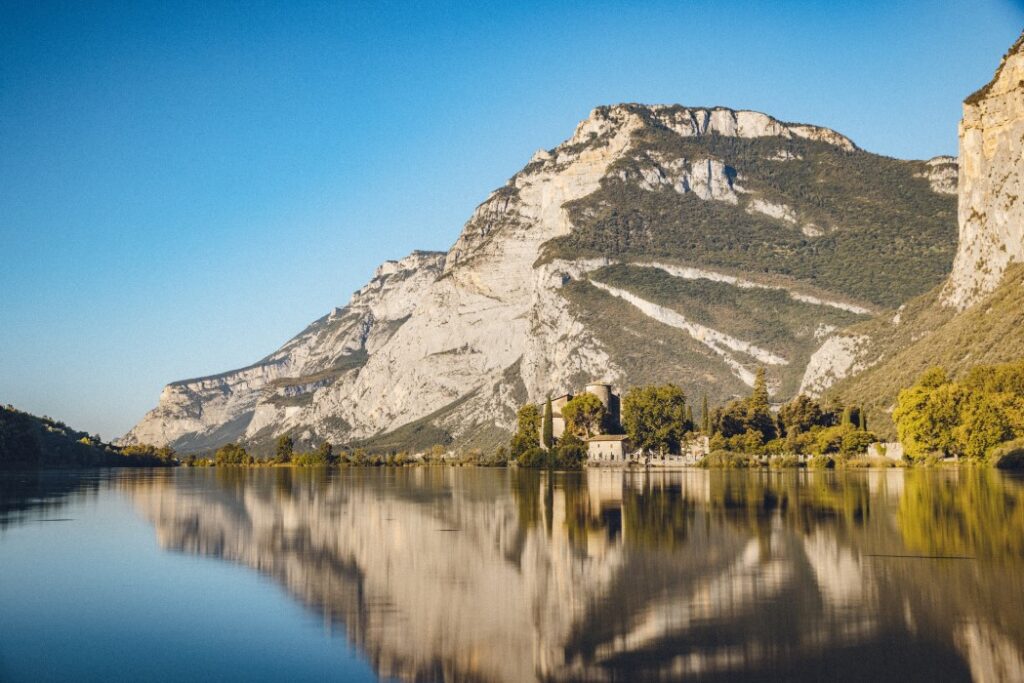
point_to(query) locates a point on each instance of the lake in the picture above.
(439, 573)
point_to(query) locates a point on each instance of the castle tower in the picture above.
(602, 391)
(607, 397)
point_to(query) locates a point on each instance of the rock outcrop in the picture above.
(991, 212)
(975, 316)
(439, 348)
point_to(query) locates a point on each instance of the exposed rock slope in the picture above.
(977, 316)
(991, 211)
(657, 243)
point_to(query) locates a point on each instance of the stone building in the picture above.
(603, 391)
(609, 449)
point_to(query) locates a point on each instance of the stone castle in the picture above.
(603, 391)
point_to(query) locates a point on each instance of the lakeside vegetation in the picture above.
(28, 441)
(978, 418)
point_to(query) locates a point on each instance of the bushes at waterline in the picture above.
(570, 453)
(968, 418)
(1009, 455)
(232, 454)
(726, 459)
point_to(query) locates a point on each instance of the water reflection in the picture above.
(493, 575)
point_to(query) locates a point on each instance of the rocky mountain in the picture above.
(658, 243)
(977, 315)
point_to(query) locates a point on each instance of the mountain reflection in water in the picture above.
(494, 575)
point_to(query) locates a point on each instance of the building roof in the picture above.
(608, 437)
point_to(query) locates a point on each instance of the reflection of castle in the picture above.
(522, 576)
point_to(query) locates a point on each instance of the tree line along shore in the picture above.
(975, 419)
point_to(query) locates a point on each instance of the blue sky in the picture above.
(184, 186)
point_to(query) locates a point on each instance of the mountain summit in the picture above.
(658, 243)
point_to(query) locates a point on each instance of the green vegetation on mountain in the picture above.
(648, 351)
(768, 318)
(27, 441)
(929, 334)
(887, 235)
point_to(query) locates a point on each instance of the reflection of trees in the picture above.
(31, 493)
(522, 575)
(657, 515)
(976, 513)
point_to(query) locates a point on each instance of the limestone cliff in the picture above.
(544, 288)
(976, 315)
(991, 212)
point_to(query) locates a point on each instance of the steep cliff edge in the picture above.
(991, 211)
(977, 315)
(657, 243)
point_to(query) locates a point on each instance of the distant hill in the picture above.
(27, 441)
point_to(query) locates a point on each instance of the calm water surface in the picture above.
(494, 575)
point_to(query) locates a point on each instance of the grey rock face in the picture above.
(991, 212)
(447, 345)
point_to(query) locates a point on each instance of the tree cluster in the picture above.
(801, 426)
(27, 441)
(568, 452)
(657, 418)
(968, 418)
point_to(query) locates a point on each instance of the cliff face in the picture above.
(991, 212)
(977, 315)
(623, 254)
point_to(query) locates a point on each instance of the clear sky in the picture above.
(184, 186)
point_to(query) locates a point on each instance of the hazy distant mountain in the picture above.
(658, 243)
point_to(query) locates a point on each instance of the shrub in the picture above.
(821, 462)
(1008, 456)
(571, 453)
(725, 459)
(829, 440)
(533, 457)
(856, 442)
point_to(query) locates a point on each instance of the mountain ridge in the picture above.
(514, 309)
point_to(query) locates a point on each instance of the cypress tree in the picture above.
(549, 426)
(705, 417)
(759, 397)
(863, 421)
(689, 418)
(759, 415)
(847, 416)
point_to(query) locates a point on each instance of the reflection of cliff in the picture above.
(516, 576)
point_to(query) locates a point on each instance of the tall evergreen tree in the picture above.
(862, 422)
(705, 416)
(759, 413)
(549, 426)
(689, 418)
(759, 397)
(285, 448)
(847, 416)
